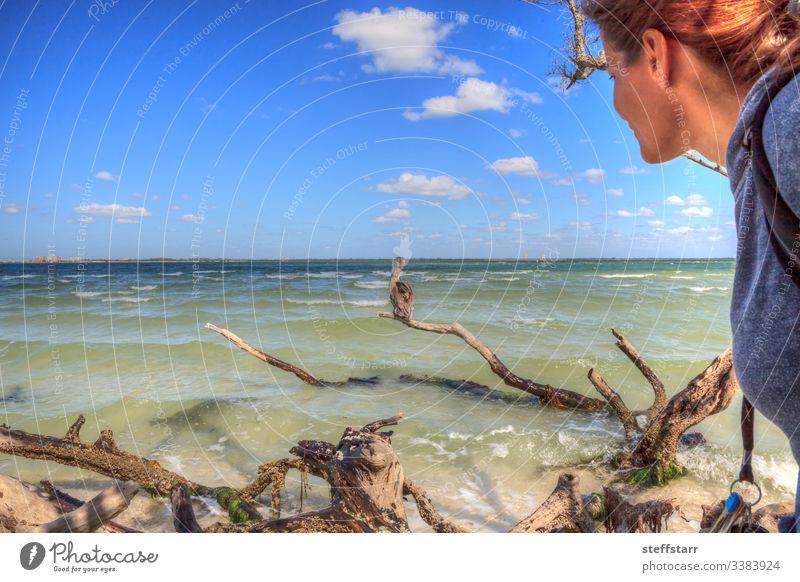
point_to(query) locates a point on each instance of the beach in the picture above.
(125, 345)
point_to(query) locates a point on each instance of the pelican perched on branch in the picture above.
(400, 293)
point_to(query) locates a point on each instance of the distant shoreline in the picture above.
(209, 260)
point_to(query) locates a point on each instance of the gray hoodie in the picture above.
(765, 307)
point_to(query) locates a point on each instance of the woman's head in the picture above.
(672, 58)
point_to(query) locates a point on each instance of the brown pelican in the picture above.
(400, 293)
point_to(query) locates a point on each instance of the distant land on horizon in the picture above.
(63, 260)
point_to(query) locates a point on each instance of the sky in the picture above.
(329, 129)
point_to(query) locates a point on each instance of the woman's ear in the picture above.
(656, 52)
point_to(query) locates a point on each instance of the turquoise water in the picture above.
(125, 344)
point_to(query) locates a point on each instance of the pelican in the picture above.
(400, 293)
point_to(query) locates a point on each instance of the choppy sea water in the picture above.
(125, 345)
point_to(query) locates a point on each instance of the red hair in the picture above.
(743, 37)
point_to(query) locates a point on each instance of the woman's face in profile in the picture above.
(644, 103)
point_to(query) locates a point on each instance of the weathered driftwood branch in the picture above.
(579, 61)
(367, 485)
(710, 392)
(660, 400)
(565, 510)
(549, 396)
(428, 513)
(67, 503)
(655, 444)
(650, 516)
(287, 367)
(94, 513)
(106, 458)
(562, 511)
(183, 518)
(24, 506)
(626, 417)
(272, 361)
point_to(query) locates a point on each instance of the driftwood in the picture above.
(24, 506)
(566, 511)
(650, 457)
(563, 511)
(622, 517)
(272, 361)
(548, 395)
(366, 480)
(106, 458)
(650, 454)
(363, 471)
(183, 518)
(94, 513)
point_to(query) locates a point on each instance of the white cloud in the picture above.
(516, 133)
(696, 200)
(581, 225)
(329, 45)
(592, 175)
(409, 183)
(526, 166)
(616, 192)
(520, 199)
(106, 176)
(562, 182)
(715, 237)
(674, 201)
(656, 223)
(471, 95)
(643, 211)
(119, 213)
(632, 170)
(704, 212)
(393, 216)
(681, 230)
(524, 216)
(48, 195)
(192, 218)
(402, 41)
(11, 208)
(581, 199)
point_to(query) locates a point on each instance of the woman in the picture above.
(688, 75)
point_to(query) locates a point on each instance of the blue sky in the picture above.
(328, 129)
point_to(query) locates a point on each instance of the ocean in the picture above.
(125, 345)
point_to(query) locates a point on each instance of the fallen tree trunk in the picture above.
(652, 444)
(562, 512)
(94, 513)
(650, 516)
(24, 506)
(106, 458)
(548, 395)
(652, 458)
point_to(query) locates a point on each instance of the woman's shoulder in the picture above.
(781, 138)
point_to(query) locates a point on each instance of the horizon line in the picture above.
(220, 259)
